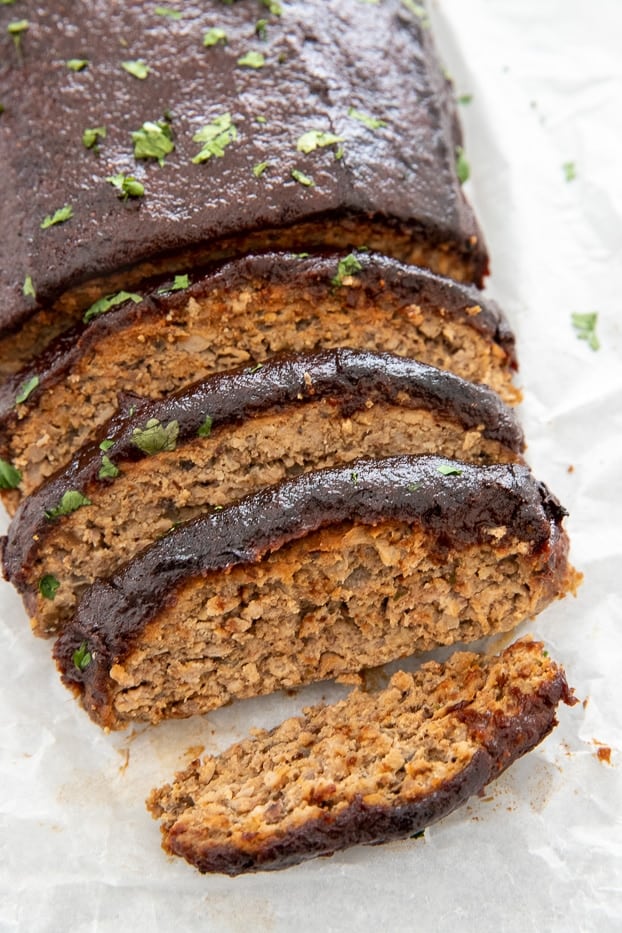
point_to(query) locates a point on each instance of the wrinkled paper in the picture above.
(541, 851)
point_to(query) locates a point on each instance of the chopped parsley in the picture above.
(260, 168)
(155, 437)
(108, 470)
(127, 186)
(10, 477)
(71, 501)
(106, 445)
(372, 123)
(260, 28)
(585, 327)
(16, 29)
(82, 657)
(25, 390)
(255, 368)
(316, 139)
(137, 69)
(462, 166)
(92, 135)
(28, 288)
(58, 217)
(570, 171)
(347, 266)
(252, 60)
(109, 301)
(168, 11)
(154, 140)
(77, 64)
(48, 585)
(215, 136)
(302, 179)
(213, 36)
(273, 6)
(448, 470)
(260, 119)
(179, 282)
(465, 99)
(354, 477)
(419, 10)
(206, 428)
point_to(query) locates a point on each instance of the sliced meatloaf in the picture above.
(241, 315)
(159, 463)
(237, 127)
(316, 577)
(371, 768)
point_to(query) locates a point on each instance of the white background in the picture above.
(78, 851)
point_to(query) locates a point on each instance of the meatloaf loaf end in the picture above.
(241, 315)
(333, 126)
(218, 440)
(369, 769)
(316, 577)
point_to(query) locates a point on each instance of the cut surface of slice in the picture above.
(241, 315)
(215, 442)
(316, 577)
(371, 768)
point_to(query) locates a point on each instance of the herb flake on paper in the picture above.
(585, 328)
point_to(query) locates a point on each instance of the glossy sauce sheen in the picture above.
(321, 59)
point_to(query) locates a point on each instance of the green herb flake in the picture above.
(127, 186)
(354, 477)
(585, 328)
(339, 153)
(106, 445)
(260, 119)
(413, 487)
(206, 428)
(60, 216)
(215, 136)
(156, 437)
(462, 165)
(372, 123)
(92, 135)
(48, 586)
(260, 168)
(10, 477)
(273, 6)
(28, 288)
(136, 69)
(252, 60)
(25, 390)
(180, 282)
(82, 657)
(255, 368)
(419, 11)
(108, 470)
(16, 29)
(213, 36)
(168, 12)
(71, 501)
(109, 301)
(570, 171)
(346, 267)
(77, 64)
(316, 139)
(448, 470)
(154, 140)
(465, 99)
(302, 179)
(261, 30)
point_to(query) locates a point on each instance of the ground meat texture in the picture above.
(371, 768)
(293, 415)
(244, 315)
(323, 604)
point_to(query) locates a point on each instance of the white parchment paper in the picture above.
(78, 851)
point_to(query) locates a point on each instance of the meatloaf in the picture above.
(222, 438)
(167, 143)
(316, 577)
(242, 314)
(371, 768)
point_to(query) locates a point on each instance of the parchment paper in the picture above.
(542, 851)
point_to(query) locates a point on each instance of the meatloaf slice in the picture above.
(241, 315)
(220, 439)
(371, 768)
(315, 133)
(316, 577)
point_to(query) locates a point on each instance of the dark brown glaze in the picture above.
(457, 509)
(387, 281)
(501, 738)
(350, 378)
(321, 59)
